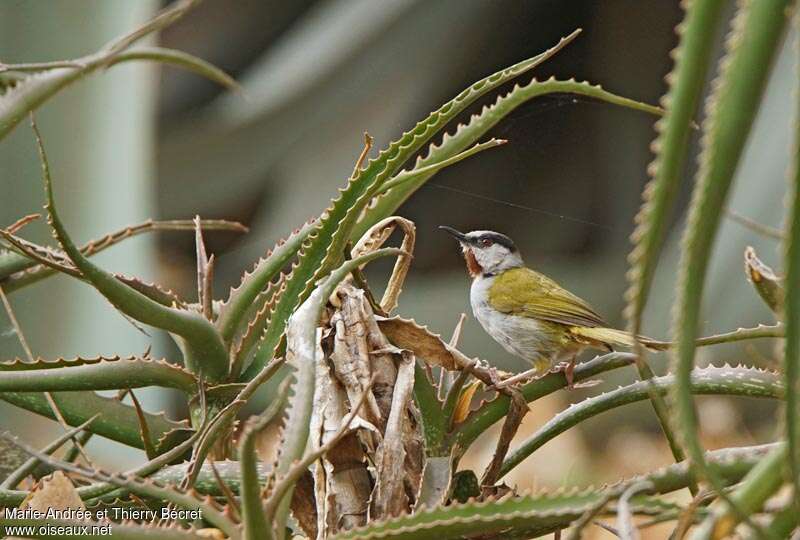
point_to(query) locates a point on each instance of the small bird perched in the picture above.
(528, 314)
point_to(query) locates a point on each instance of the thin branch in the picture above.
(21, 222)
(368, 140)
(755, 226)
(516, 412)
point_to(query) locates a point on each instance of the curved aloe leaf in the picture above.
(324, 246)
(301, 351)
(533, 515)
(117, 421)
(265, 304)
(791, 317)
(692, 63)
(172, 57)
(28, 92)
(94, 374)
(482, 419)
(434, 426)
(253, 283)
(204, 350)
(736, 381)
(465, 135)
(752, 45)
(253, 515)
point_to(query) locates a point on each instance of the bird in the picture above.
(530, 315)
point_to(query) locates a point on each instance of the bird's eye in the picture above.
(486, 242)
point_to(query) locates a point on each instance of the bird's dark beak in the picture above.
(461, 237)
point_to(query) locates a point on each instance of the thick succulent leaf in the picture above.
(536, 514)
(117, 421)
(465, 135)
(241, 298)
(253, 515)
(266, 302)
(687, 79)
(726, 380)
(172, 57)
(93, 374)
(791, 360)
(324, 246)
(757, 32)
(495, 410)
(29, 91)
(430, 409)
(204, 349)
(301, 352)
(693, 58)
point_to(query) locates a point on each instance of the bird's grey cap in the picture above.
(475, 237)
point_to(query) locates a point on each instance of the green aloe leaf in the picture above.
(241, 298)
(204, 350)
(434, 427)
(117, 421)
(693, 58)
(207, 508)
(94, 374)
(757, 32)
(791, 315)
(727, 380)
(692, 63)
(25, 92)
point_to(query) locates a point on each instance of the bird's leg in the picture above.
(568, 368)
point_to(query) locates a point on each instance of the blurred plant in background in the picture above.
(355, 367)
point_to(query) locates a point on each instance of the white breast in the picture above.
(521, 336)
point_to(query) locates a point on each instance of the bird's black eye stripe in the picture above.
(487, 239)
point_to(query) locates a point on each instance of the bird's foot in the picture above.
(568, 368)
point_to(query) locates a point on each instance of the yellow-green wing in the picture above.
(523, 292)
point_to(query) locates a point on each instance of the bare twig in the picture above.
(756, 227)
(517, 410)
(21, 222)
(364, 153)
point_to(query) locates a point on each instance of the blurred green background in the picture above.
(140, 141)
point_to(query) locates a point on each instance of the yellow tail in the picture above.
(611, 336)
